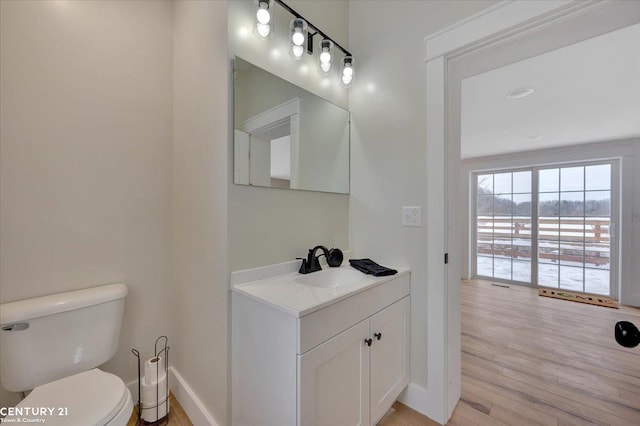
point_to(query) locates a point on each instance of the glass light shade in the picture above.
(263, 20)
(347, 70)
(297, 51)
(297, 37)
(263, 15)
(325, 55)
(263, 30)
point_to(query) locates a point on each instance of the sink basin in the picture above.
(331, 278)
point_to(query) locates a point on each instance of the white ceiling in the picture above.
(585, 92)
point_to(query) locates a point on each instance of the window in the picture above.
(547, 226)
(503, 217)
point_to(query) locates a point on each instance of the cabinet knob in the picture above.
(368, 341)
(378, 335)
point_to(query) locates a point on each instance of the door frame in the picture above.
(452, 54)
(286, 113)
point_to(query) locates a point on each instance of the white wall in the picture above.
(200, 140)
(85, 167)
(628, 151)
(388, 105)
(268, 225)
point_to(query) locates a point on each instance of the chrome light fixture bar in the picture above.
(301, 32)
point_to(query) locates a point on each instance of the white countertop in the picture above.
(282, 292)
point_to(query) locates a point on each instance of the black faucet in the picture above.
(312, 264)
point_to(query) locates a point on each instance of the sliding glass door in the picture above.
(548, 226)
(503, 233)
(574, 239)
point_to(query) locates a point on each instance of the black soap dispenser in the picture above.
(335, 257)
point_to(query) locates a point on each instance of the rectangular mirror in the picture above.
(285, 136)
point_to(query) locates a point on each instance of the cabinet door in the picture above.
(390, 330)
(333, 380)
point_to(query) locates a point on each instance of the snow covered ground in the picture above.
(564, 243)
(566, 276)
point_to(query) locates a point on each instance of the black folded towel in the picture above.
(370, 267)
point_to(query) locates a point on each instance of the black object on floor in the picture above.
(627, 334)
(370, 267)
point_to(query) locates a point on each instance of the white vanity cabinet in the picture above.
(334, 378)
(389, 356)
(343, 363)
(355, 377)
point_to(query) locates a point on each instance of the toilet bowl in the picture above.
(53, 345)
(90, 398)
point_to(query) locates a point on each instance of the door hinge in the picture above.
(446, 258)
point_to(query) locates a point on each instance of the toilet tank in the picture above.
(47, 338)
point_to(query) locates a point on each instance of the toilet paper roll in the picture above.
(153, 397)
(154, 369)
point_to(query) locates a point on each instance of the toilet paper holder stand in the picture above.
(161, 349)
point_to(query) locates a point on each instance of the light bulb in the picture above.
(263, 29)
(297, 38)
(297, 51)
(347, 71)
(262, 15)
(325, 55)
(298, 33)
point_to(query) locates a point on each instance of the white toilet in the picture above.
(53, 344)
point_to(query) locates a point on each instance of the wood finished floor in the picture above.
(531, 360)
(177, 416)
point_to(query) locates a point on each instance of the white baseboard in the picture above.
(416, 397)
(195, 409)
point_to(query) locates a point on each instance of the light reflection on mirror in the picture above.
(285, 136)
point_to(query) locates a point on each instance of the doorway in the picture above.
(501, 35)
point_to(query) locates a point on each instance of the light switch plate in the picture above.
(412, 216)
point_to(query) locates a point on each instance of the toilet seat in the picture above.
(93, 397)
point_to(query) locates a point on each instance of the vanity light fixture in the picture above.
(298, 30)
(325, 55)
(347, 70)
(301, 34)
(263, 19)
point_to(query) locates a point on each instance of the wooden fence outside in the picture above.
(566, 239)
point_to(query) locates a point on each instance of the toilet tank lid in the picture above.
(27, 309)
